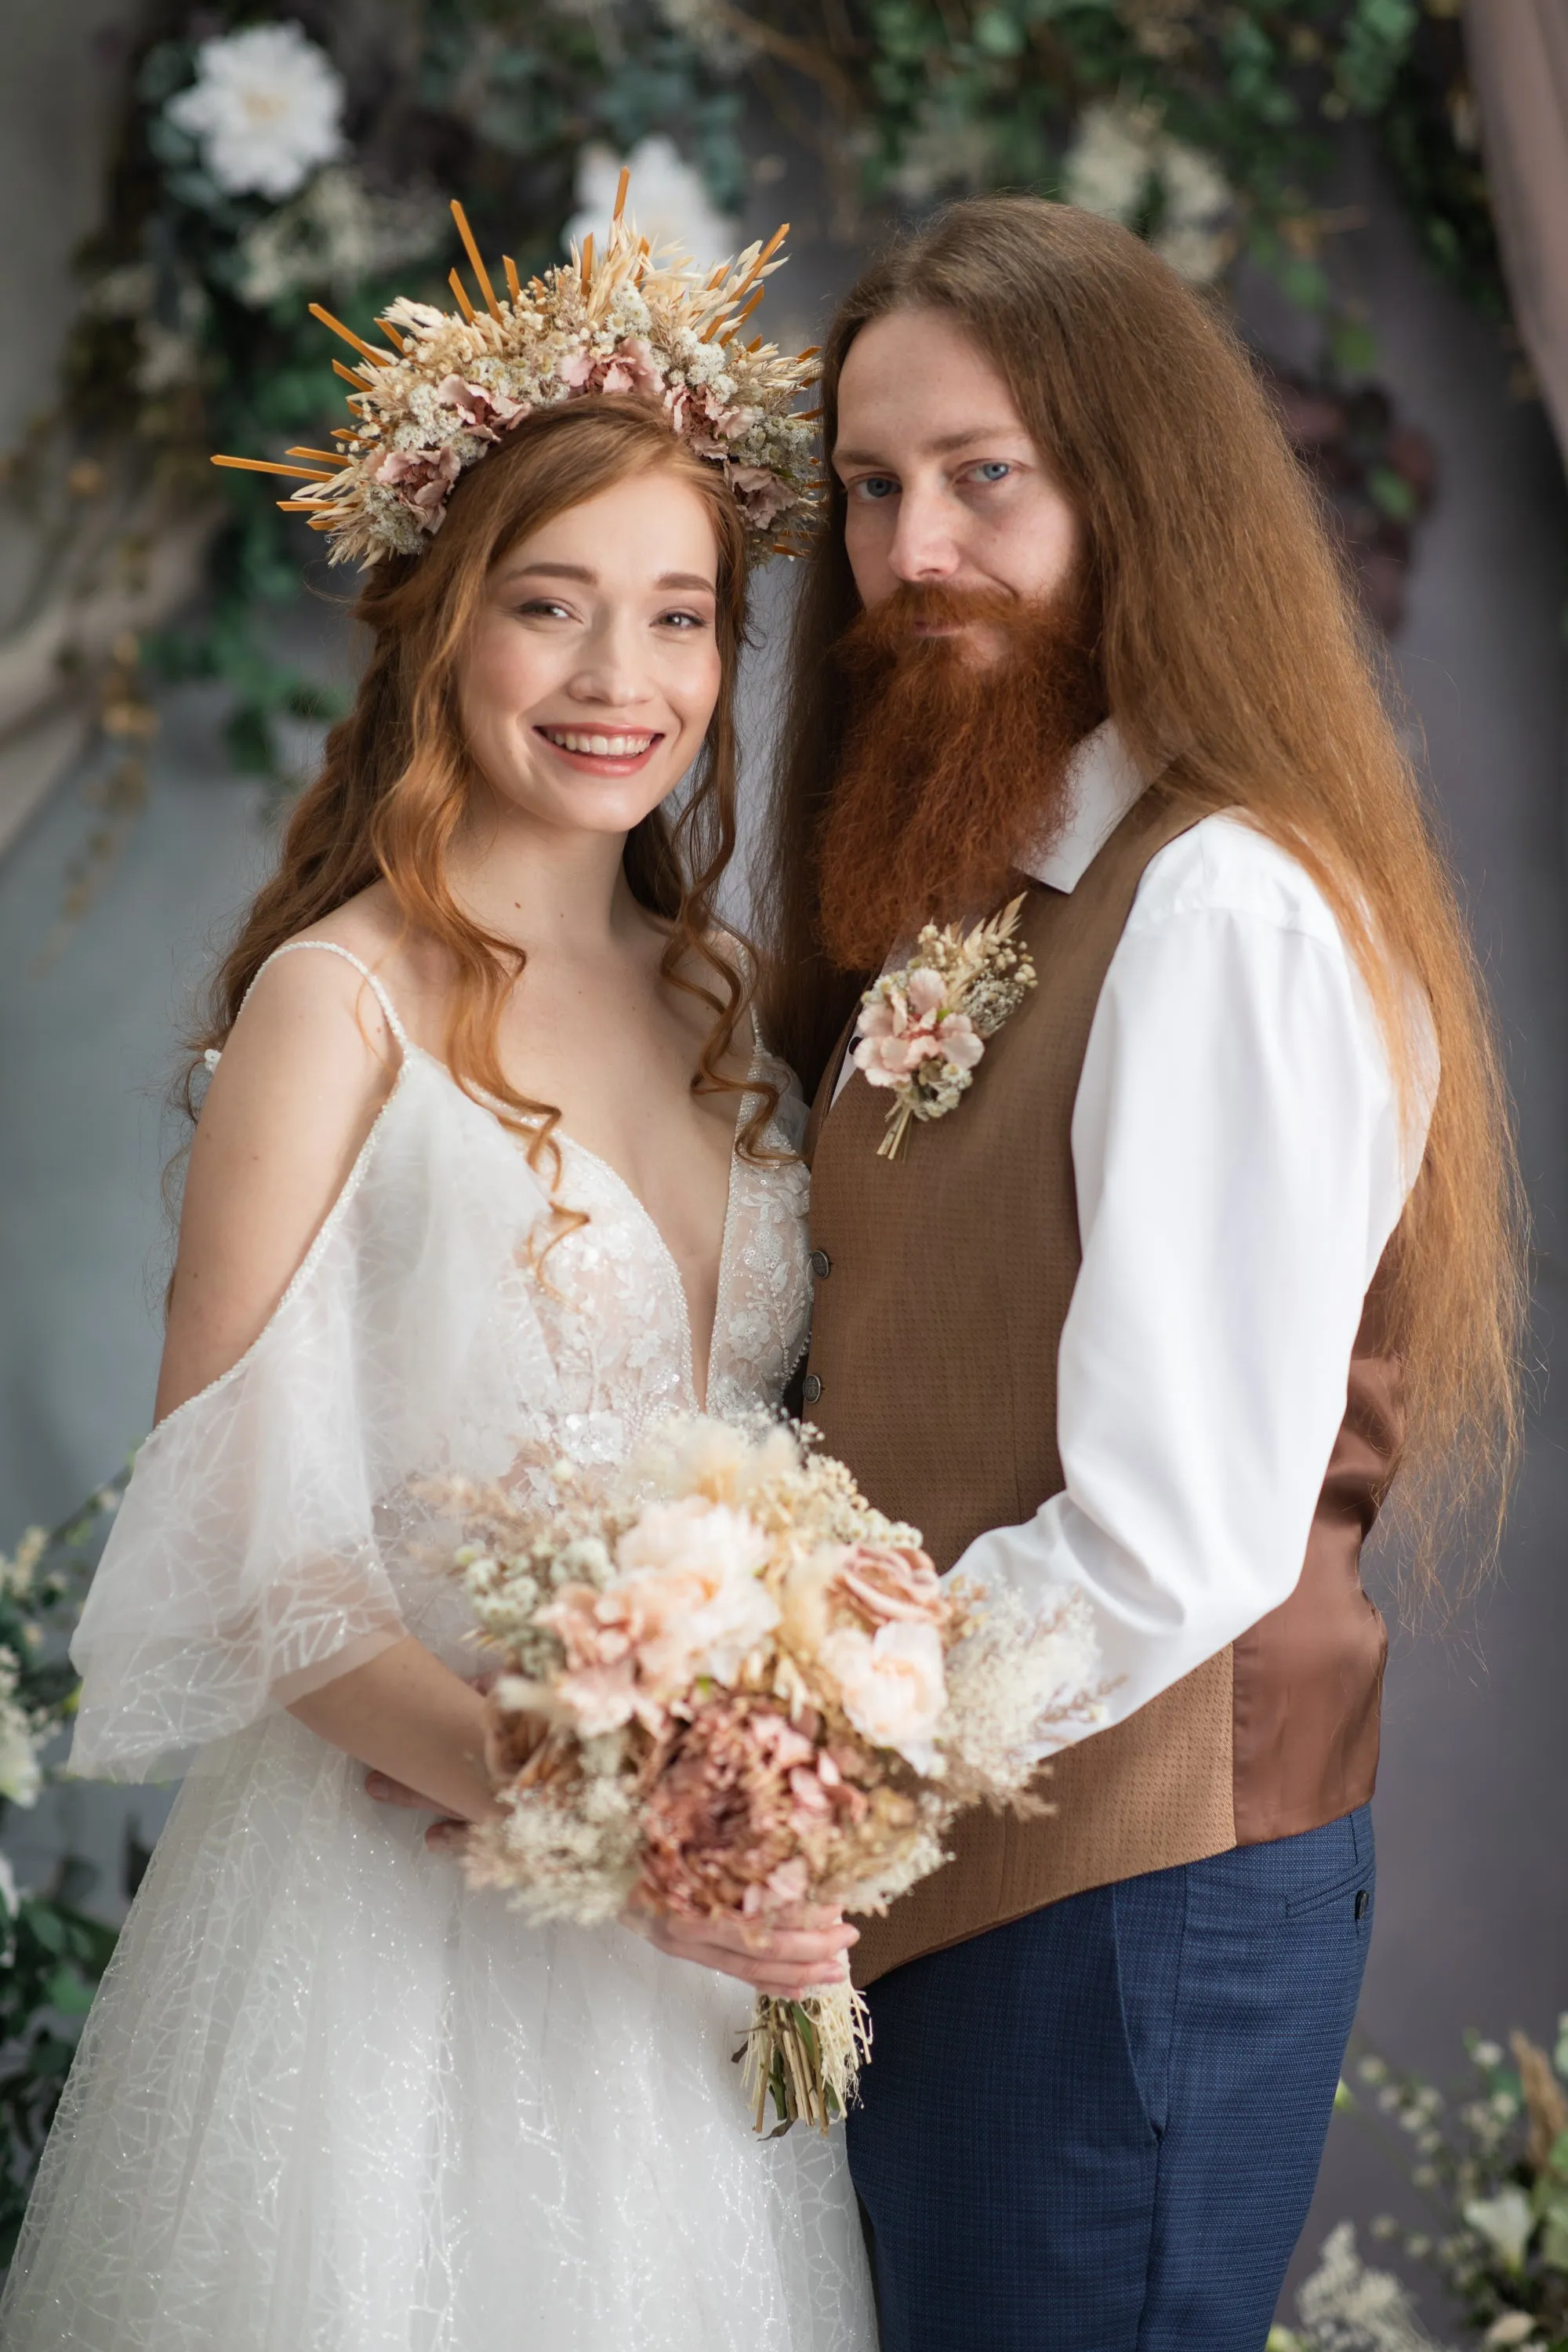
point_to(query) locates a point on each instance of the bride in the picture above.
(488, 1161)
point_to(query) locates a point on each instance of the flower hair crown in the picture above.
(623, 321)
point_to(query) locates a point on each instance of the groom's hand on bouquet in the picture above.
(791, 1955)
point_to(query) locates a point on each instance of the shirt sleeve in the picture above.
(1236, 1146)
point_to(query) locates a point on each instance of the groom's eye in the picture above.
(991, 470)
(873, 486)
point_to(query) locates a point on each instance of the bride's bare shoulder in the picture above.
(301, 1078)
(324, 991)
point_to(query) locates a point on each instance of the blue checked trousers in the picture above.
(1098, 2129)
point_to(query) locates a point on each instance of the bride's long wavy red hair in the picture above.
(397, 773)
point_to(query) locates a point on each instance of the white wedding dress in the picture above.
(328, 2099)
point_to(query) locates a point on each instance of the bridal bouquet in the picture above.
(731, 1687)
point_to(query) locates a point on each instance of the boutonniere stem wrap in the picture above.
(922, 1029)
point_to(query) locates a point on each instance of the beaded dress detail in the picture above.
(329, 2098)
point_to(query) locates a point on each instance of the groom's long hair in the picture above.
(1239, 669)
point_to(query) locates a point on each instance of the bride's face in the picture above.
(594, 666)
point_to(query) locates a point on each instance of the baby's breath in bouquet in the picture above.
(731, 1687)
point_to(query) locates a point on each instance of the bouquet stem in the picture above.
(805, 2056)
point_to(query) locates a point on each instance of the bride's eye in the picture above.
(682, 622)
(541, 608)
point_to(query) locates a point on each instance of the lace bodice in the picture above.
(273, 1532)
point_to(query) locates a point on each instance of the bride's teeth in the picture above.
(600, 747)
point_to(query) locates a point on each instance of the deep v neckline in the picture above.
(672, 1264)
(646, 1216)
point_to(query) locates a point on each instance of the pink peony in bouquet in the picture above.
(731, 1687)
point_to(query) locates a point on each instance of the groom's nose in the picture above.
(925, 543)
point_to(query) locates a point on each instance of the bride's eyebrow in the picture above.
(554, 572)
(582, 572)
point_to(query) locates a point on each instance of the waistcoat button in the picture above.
(821, 1264)
(811, 1389)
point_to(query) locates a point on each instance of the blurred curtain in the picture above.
(1519, 64)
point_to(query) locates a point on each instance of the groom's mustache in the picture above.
(963, 707)
(930, 624)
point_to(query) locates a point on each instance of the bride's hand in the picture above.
(796, 1952)
(510, 1740)
(442, 1836)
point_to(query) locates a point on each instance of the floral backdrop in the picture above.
(272, 156)
(265, 163)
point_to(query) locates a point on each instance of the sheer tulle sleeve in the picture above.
(252, 1558)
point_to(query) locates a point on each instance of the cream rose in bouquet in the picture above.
(730, 1687)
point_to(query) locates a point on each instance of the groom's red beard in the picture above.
(954, 764)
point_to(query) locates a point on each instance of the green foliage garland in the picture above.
(194, 335)
(52, 1953)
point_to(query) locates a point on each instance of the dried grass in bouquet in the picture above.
(731, 1687)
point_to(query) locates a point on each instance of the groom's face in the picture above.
(943, 487)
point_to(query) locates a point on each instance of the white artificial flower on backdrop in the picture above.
(1122, 156)
(10, 1899)
(667, 200)
(337, 232)
(1345, 2304)
(266, 108)
(1109, 163)
(21, 1774)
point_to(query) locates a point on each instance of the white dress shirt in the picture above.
(1239, 1167)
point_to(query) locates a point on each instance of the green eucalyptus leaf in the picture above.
(43, 1922)
(1352, 348)
(70, 1993)
(1392, 494)
(997, 34)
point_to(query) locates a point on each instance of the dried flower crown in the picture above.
(623, 321)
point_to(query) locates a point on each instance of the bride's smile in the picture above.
(592, 665)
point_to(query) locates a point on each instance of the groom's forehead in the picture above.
(935, 445)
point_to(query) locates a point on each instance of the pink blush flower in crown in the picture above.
(619, 324)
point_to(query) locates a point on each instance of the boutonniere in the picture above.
(922, 1029)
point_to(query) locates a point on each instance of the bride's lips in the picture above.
(602, 750)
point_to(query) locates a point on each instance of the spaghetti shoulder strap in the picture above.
(377, 989)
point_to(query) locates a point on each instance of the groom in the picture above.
(1129, 1320)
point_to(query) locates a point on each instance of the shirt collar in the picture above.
(1102, 783)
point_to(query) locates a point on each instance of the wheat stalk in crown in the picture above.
(623, 321)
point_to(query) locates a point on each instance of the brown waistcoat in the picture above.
(935, 1334)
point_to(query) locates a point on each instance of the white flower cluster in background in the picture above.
(1122, 157)
(673, 206)
(943, 152)
(336, 233)
(1346, 2307)
(22, 1732)
(21, 1774)
(265, 109)
(719, 31)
